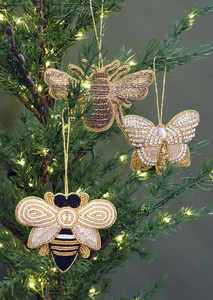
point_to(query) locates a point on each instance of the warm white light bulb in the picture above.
(79, 34)
(1, 17)
(1, 245)
(78, 191)
(167, 219)
(22, 162)
(188, 212)
(30, 184)
(122, 157)
(19, 20)
(31, 285)
(86, 85)
(51, 170)
(106, 195)
(48, 63)
(92, 290)
(191, 16)
(132, 63)
(95, 258)
(40, 88)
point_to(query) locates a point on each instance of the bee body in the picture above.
(64, 249)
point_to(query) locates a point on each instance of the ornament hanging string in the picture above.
(159, 111)
(98, 39)
(66, 149)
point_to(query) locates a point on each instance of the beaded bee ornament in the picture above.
(109, 92)
(65, 224)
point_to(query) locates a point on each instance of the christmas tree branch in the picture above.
(27, 78)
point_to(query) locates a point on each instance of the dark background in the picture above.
(187, 253)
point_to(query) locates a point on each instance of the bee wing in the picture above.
(97, 214)
(181, 128)
(133, 86)
(33, 211)
(58, 82)
(42, 235)
(87, 236)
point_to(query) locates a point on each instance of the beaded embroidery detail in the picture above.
(65, 225)
(108, 91)
(161, 144)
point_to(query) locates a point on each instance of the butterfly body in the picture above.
(159, 145)
(65, 224)
(109, 92)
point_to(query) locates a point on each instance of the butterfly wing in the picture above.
(180, 130)
(142, 135)
(42, 235)
(58, 82)
(133, 86)
(33, 211)
(87, 236)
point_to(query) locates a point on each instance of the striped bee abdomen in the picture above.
(64, 249)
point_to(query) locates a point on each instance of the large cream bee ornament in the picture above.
(65, 225)
(110, 91)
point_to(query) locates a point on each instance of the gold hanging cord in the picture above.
(159, 111)
(98, 39)
(66, 149)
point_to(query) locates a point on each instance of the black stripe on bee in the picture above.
(64, 249)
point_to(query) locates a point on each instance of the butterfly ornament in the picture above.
(65, 225)
(110, 89)
(159, 145)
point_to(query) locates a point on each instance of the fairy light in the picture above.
(167, 219)
(40, 88)
(31, 285)
(142, 174)
(1, 17)
(106, 195)
(79, 34)
(54, 269)
(95, 258)
(39, 280)
(51, 170)
(30, 184)
(78, 191)
(122, 157)
(1, 245)
(188, 212)
(191, 16)
(19, 20)
(132, 63)
(22, 162)
(86, 85)
(45, 151)
(48, 63)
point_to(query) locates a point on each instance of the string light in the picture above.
(30, 184)
(106, 195)
(86, 85)
(132, 63)
(51, 170)
(191, 16)
(142, 174)
(1, 245)
(40, 88)
(95, 258)
(1, 17)
(166, 219)
(31, 284)
(54, 269)
(48, 63)
(39, 280)
(45, 151)
(19, 20)
(122, 157)
(92, 290)
(21, 162)
(188, 212)
(79, 34)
